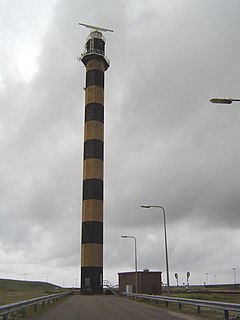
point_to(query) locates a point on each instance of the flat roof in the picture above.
(139, 272)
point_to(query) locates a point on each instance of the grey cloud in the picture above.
(164, 142)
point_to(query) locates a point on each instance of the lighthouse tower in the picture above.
(96, 64)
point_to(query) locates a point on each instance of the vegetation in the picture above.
(14, 290)
(221, 294)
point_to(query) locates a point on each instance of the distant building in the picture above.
(149, 282)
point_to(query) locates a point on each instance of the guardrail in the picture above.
(226, 307)
(22, 306)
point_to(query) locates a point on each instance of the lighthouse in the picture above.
(96, 64)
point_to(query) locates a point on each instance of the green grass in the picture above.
(206, 294)
(14, 290)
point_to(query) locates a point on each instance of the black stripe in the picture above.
(99, 44)
(93, 149)
(95, 77)
(92, 232)
(92, 189)
(94, 111)
(94, 276)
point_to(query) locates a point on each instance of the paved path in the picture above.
(106, 308)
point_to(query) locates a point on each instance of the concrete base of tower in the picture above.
(91, 280)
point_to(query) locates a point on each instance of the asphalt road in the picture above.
(106, 308)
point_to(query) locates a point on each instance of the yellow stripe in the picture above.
(94, 130)
(96, 64)
(94, 94)
(93, 169)
(92, 210)
(92, 255)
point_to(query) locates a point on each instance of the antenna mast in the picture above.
(95, 27)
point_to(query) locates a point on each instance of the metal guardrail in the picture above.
(22, 306)
(107, 285)
(97, 52)
(226, 307)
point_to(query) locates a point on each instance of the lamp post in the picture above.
(234, 275)
(136, 268)
(223, 100)
(165, 237)
(206, 277)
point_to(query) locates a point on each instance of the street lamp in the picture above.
(223, 100)
(234, 275)
(206, 277)
(63, 281)
(165, 237)
(136, 268)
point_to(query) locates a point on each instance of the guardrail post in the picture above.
(43, 304)
(226, 314)
(5, 316)
(198, 310)
(179, 306)
(166, 304)
(24, 313)
(35, 307)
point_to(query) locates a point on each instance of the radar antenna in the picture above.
(94, 27)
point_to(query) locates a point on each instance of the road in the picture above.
(106, 308)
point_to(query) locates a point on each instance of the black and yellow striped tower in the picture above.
(92, 201)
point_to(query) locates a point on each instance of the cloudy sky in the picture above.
(165, 143)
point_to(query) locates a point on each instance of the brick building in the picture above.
(149, 282)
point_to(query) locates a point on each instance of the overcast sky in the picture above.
(165, 143)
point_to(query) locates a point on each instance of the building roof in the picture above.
(128, 272)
